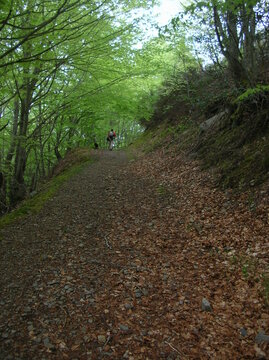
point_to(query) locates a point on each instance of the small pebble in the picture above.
(243, 332)
(138, 294)
(30, 328)
(47, 343)
(145, 292)
(101, 339)
(262, 338)
(206, 305)
(123, 327)
(128, 306)
(126, 354)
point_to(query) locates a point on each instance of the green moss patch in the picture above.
(241, 164)
(33, 205)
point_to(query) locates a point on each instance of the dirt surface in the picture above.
(117, 264)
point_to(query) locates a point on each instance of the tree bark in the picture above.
(3, 203)
(239, 53)
(41, 144)
(18, 187)
(8, 160)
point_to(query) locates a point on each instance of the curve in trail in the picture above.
(105, 271)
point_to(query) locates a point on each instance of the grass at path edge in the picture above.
(34, 205)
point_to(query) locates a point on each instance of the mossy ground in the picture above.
(238, 153)
(71, 165)
(165, 135)
(239, 165)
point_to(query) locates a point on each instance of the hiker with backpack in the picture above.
(111, 135)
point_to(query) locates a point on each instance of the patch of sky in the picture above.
(150, 20)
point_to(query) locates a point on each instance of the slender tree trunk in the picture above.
(249, 50)
(3, 203)
(10, 153)
(58, 141)
(57, 153)
(35, 175)
(30, 76)
(41, 145)
(230, 47)
(7, 174)
(18, 187)
(49, 164)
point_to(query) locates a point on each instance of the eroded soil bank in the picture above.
(117, 264)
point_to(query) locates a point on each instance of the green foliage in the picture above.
(230, 30)
(245, 270)
(4, 8)
(75, 73)
(162, 189)
(253, 92)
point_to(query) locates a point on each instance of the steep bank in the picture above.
(226, 128)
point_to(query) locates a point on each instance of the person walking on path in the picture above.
(111, 135)
(95, 142)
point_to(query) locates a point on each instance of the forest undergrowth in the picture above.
(138, 259)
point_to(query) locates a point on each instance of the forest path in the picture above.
(116, 265)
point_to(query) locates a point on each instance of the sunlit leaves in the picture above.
(78, 68)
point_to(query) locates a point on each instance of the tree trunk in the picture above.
(249, 50)
(18, 187)
(57, 153)
(7, 174)
(3, 203)
(29, 79)
(49, 163)
(241, 59)
(34, 179)
(41, 145)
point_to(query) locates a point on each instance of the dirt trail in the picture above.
(116, 265)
